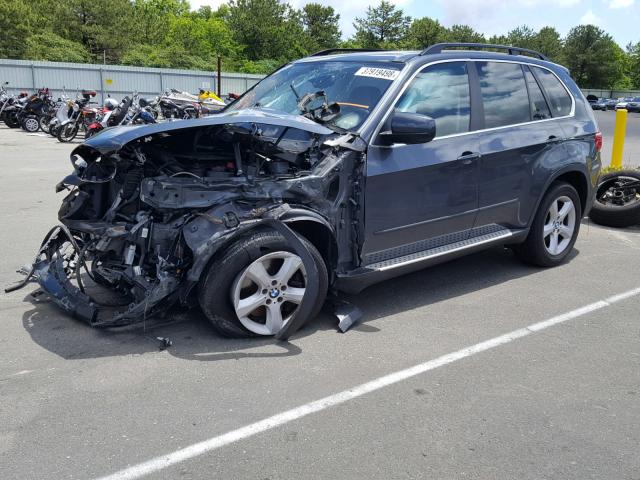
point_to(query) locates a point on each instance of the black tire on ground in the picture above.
(612, 215)
(533, 250)
(12, 121)
(31, 124)
(68, 132)
(44, 123)
(214, 290)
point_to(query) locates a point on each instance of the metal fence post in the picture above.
(102, 86)
(33, 76)
(161, 83)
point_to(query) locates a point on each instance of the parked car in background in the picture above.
(601, 104)
(611, 103)
(623, 103)
(634, 105)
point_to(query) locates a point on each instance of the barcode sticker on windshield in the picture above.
(384, 73)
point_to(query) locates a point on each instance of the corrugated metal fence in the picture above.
(115, 80)
(604, 93)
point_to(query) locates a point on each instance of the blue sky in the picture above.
(620, 18)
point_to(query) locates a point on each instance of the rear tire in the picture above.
(218, 291)
(553, 232)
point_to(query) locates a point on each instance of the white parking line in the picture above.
(279, 419)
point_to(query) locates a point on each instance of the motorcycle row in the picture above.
(67, 116)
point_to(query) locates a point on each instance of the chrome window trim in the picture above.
(449, 60)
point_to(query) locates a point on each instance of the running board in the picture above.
(432, 253)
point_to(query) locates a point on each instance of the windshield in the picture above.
(357, 87)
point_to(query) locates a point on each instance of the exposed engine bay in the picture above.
(148, 207)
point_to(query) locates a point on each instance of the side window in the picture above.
(559, 98)
(539, 108)
(504, 94)
(440, 91)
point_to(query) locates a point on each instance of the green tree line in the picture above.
(256, 36)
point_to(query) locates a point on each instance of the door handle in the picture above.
(467, 158)
(553, 139)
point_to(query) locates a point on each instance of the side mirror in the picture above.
(409, 128)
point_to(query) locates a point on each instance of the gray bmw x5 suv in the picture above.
(337, 171)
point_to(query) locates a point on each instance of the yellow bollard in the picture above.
(618, 138)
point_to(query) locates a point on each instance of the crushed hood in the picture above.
(112, 139)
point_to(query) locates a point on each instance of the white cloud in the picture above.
(502, 14)
(620, 3)
(590, 18)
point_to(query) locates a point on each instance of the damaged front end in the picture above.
(150, 206)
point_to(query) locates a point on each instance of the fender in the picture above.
(571, 168)
(303, 214)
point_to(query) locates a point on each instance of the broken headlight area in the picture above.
(148, 207)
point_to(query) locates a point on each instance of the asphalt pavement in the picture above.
(561, 402)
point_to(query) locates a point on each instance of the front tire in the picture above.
(554, 229)
(31, 124)
(44, 123)
(66, 133)
(256, 285)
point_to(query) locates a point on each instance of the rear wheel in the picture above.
(554, 229)
(12, 121)
(256, 286)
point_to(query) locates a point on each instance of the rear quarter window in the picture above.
(559, 99)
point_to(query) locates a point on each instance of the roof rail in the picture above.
(330, 51)
(439, 47)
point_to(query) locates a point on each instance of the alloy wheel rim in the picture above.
(268, 292)
(559, 225)
(31, 124)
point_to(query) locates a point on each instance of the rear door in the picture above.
(519, 140)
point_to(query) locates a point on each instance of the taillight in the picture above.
(598, 141)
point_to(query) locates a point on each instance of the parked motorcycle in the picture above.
(81, 117)
(617, 201)
(37, 105)
(140, 112)
(5, 97)
(50, 113)
(175, 104)
(62, 114)
(109, 117)
(11, 112)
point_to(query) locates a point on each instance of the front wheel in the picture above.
(44, 123)
(256, 286)
(68, 132)
(31, 124)
(554, 229)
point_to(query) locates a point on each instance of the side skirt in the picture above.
(359, 279)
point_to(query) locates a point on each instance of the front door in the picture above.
(422, 196)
